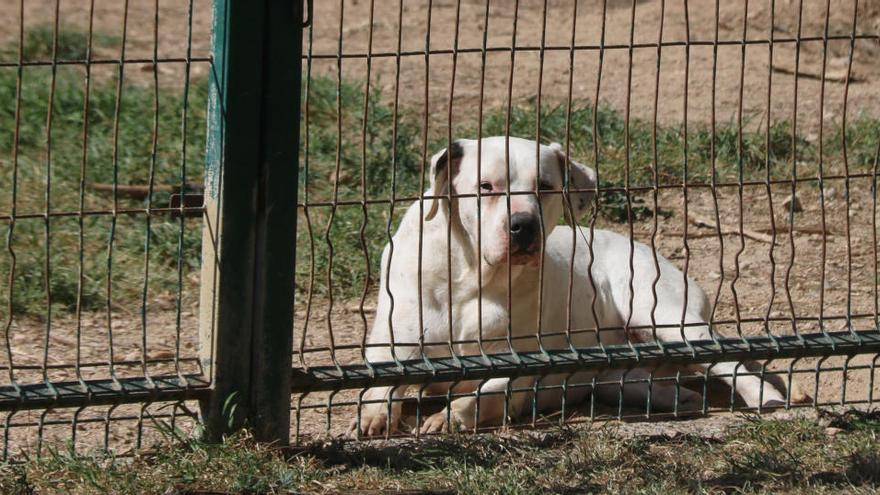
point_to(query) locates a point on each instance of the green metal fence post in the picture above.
(246, 315)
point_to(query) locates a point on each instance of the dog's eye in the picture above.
(545, 186)
(486, 186)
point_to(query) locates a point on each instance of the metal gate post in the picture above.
(249, 236)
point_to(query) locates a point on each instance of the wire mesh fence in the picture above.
(508, 214)
(733, 145)
(103, 125)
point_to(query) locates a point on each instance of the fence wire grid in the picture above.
(738, 140)
(102, 109)
(729, 148)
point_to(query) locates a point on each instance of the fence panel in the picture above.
(103, 127)
(117, 118)
(733, 143)
(729, 148)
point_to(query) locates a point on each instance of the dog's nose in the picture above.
(524, 229)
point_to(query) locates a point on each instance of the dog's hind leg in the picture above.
(679, 314)
(755, 391)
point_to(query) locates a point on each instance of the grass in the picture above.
(48, 178)
(39, 44)
(838, 454)
(394, 148)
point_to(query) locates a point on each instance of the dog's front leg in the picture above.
(380, 413)
(381, 406)
(496, 400)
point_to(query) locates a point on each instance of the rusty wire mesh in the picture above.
(739, 140)
(103, 124)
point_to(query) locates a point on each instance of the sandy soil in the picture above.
(697, 24)
(140, 32)
(173, 21)
(846, 244)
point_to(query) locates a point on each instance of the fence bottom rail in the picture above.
(329, 378)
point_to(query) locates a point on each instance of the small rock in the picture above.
(160, 354)
(713, 275)
(830, 194)
(344, 177)
(832, 431)
(356, 308)
(792, 203)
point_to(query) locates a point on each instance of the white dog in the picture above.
(496, 254)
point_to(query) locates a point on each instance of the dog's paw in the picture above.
(441, 422)
(372, 425)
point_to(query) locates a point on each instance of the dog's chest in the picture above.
(494, 315)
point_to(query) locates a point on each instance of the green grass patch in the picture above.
(40, 44)
(751, 455)
(45, 169)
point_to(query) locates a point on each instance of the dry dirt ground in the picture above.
(697, 24)
(140, 39)
(743, 72)
(848, 240)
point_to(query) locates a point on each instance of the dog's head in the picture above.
(543, 185)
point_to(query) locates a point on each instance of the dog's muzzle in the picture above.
(525, 231)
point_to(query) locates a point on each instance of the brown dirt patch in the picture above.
(120, 428)
(698, 26)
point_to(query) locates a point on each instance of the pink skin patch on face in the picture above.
(528, 257)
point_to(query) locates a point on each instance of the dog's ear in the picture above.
(444, 167)
(581, 181)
